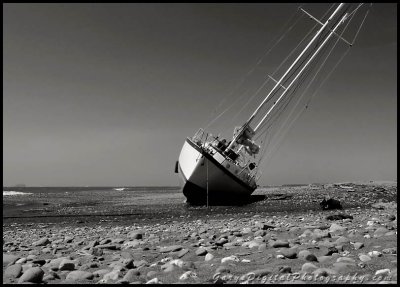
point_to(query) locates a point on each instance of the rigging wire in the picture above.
(301, 111)
(259, 61)
(276, 70)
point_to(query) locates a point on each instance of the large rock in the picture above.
(136, 234)
(208, 257)
(231, 258)
(131, 275)
(201, 251)
(9, 258)
(182, 253)
(324, 272)
(79, 275)
(279, 243)
(290, 253)
(330, 203)
(342, 240)
(67, 265)
(303, 254)
(172, 248)
(364, 258)
(336, 228)
(381, 231)
(41, 242)
(358, 245)
(33, 275)
(13, 271)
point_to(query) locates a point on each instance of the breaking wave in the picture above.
(11, 192)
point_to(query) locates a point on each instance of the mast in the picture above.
(279, 82)
(302, 70)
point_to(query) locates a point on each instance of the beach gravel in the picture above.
(215, 245)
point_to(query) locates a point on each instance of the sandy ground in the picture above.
(281, 237)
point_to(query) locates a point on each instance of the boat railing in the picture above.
(198, 137)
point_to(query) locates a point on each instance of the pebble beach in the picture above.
(281, 237)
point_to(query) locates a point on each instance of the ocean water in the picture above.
(21, 191)
(14, 193)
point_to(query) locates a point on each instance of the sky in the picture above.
(105, 94)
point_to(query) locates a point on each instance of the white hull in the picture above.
(222, 183)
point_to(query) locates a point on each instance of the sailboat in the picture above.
(215, 171)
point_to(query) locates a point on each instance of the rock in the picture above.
(375, 253)
(222, 269)
(67, 265)
(39, 261)
(320, 234)
(230, 258)
(151, 274)
(96, 251)
(303, 254)
(392, 250)
(111, 276)
(13, 271)
(382, 272)
(329, 251)
(324, 272)
(392, 217)
(358, 245)
(208, 257)
(339, 216)
(262, 247)
(107, 246)
(68, 239)
(201, 251)
(41, 242)
(136, 234)
(308, 267)
(342, 240)
(384, 205)
(139, 263)
(330, 203)
(280, 243)
(264, 226)
(79, 275)
(364, 258)
(381, 231)
(336, 228)
(21, 260)
(345, 259)
(182, 252)
(221, 241)
(131, 275)
(9, 259)
(101, 272)
(154, 281)
(253, 244)
(172, 248)
(311, 257)
(187, 275)
(105, 241)
(33, 275)
(289, 253)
